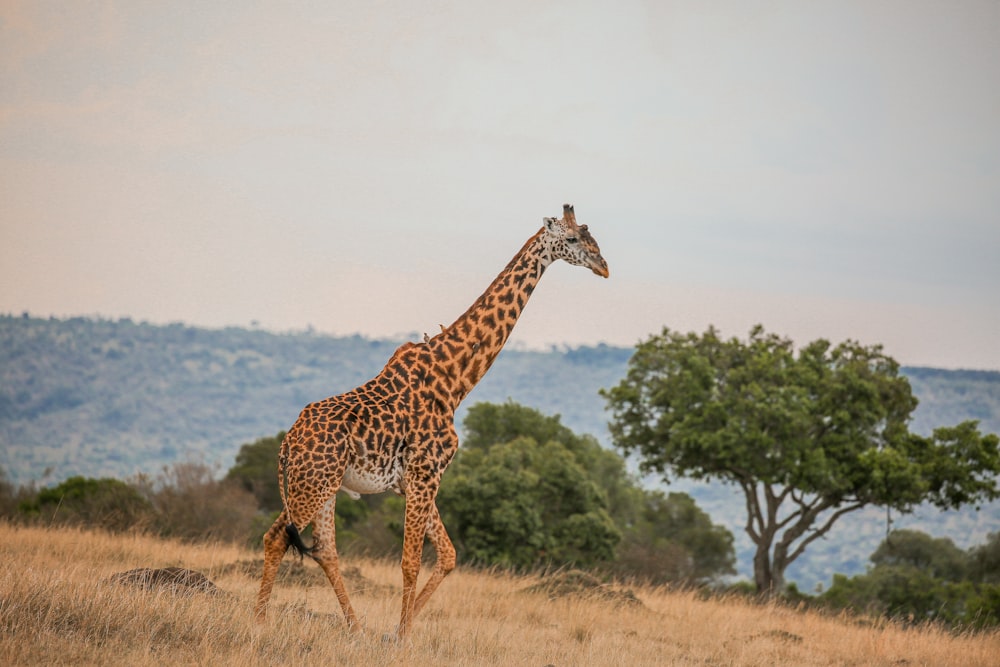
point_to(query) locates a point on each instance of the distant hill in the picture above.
(100, 398)
(112, 398)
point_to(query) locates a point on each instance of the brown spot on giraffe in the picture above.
(396, 432)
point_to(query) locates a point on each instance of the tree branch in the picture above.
(772, 505)
(753, 511)
(789, 492)
(788, 519)
(820, 532)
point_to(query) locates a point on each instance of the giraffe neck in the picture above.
(466, 349)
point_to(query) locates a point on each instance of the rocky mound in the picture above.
(581, 584)
(175, 579)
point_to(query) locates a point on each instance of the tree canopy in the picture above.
(939, 557)
(525, 490)
(808, 435)
(489, 424)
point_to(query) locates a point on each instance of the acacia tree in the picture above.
(808, 436)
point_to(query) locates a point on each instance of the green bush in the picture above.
(522, 504)
(916, 578)
(101, 503)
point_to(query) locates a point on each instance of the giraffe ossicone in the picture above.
(397, 432)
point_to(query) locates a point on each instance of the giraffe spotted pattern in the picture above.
(396, 432)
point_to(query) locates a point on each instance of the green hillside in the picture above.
(105, 398)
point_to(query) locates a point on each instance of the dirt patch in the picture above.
(575, 583)
(174, 579)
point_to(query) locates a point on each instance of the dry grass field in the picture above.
(57, 606)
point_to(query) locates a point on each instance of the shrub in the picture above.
(102, 503)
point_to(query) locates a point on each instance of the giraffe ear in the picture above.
(549, 223)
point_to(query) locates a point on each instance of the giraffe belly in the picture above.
(368, 480)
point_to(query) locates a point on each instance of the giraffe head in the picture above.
(573, 243)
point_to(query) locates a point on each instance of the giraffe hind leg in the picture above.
(276, 542)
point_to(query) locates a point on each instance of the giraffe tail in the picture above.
(295, 541)
(294, 538)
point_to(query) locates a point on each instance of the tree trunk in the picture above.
(762, 575)
(779, 561)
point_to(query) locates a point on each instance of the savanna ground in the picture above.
(58, 606)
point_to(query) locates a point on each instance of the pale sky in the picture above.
(826, 169)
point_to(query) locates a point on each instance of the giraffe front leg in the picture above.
(418, 506)
(445, 561)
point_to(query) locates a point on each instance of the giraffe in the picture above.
(396, 432)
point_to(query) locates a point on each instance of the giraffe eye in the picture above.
(572, 239)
